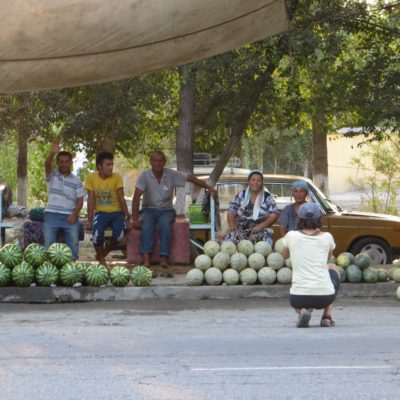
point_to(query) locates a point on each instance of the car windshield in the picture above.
(227, 192)
(322, 199)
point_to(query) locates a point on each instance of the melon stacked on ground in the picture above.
(38, 266)
(356, 269)
(250, 264)
(245, 264)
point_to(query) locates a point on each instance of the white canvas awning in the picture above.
(63, 43)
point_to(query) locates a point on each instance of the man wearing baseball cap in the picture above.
(315, 283)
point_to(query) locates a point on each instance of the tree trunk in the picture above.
(319, 152)
(307, 168)
(185, 134)
(107, 142)
(22, 167)
(239, 123)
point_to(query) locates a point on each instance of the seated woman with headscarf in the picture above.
(252, 212)
(288, 219)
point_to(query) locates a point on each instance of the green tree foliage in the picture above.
(37, 186)
(131, 117)
(8, 162)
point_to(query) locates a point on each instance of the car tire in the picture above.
(378, 249)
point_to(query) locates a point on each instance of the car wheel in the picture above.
(376, 248)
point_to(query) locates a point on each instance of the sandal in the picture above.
(327, 321)
(304, 319)
(165, 271)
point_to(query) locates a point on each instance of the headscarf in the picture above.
(300, 184)
(260, 197)
(255, 171)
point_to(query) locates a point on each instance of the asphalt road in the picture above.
(210, 349)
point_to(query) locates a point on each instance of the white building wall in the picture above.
(341, 150)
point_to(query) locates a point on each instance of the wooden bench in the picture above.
(179, 251)
(3, 225)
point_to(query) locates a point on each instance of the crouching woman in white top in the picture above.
(315, 283)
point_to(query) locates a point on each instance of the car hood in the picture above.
(370, 215)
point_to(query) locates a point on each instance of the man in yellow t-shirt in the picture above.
(106, 205)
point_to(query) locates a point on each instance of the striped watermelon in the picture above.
(141, 276)
(35, 254)
(120, 276)
(23, 274)
(383, 275)
(59, 254)
(47, 274)
(71, 273)
(83, 267)
(363, 260)
(342, 273)
(350, 256)
(343, 260)
(11, 255)
(332, 260)
(97, 275)
(353, 274)
(5, 275)
(370, 275)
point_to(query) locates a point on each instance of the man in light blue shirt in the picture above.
(65, 200)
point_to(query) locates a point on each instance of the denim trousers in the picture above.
(55, 222)
(154, 220)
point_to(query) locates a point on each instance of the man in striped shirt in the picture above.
(65, 200)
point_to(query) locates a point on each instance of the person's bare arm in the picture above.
(267, 223)
(135, 208)
(124, 207)
(232, 221)
(54, 149)
(90, 206)
(285, 253)
(282, 230)
(73, 217)
(203, 184)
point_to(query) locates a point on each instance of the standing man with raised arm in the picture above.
(106, 205)
(65, 200)
(157, 186)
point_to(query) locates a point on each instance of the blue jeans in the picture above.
(102, 220)
(151, 219)
(55, 222)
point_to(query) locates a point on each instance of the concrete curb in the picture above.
(179, 292)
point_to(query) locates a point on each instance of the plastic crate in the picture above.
(196, 215)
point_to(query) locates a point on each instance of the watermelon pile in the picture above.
(36, 266)
(245, 264)
(357, 269)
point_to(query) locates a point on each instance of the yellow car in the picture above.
(353, 231)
